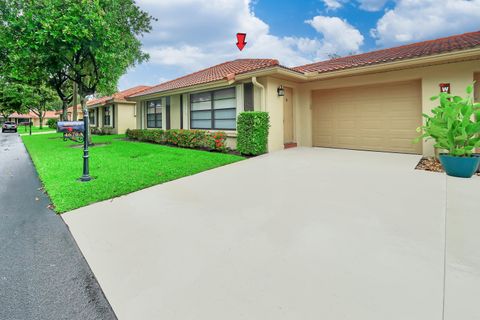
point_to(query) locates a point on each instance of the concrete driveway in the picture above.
(299, 234)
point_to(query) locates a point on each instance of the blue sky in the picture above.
(194, 34)
(290, 15)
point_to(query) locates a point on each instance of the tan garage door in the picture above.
(380, 117)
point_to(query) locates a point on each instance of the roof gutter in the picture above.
(263, 102)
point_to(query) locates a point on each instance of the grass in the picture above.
(26, 130)
(118, 167)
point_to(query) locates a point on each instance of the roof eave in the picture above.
(224, 82)
(154, 95)
(272, 71)
(400, 64)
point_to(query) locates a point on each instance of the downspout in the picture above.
(263, 105)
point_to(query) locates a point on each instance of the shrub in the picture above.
(193, 139)
(52, 123)
(252, 132)
(454, 125)
(101, 131)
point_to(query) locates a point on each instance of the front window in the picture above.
(93, 118)
(154, 114)
(214, 110)
(108, 115)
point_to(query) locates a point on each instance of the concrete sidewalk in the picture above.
(298, 234)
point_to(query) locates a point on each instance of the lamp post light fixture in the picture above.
(280, 91)
(86, 170)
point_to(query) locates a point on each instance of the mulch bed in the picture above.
(431, 164)
(228, 151)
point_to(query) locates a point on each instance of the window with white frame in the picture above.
(214, 110)
(154, 114)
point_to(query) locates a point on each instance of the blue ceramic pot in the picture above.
(462, 167)
(477, 155)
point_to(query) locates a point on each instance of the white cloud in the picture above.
(339, 37)
(413, 20)
(333, 4)
(372, 5)
(367, 5)
(194, 34)
(183, 56)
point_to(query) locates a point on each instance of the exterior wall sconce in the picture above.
(280, 91)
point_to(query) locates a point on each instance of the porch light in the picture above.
(280, 91)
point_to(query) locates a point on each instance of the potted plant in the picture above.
(455, 126)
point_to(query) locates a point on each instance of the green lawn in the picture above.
(118, 168)
(26, 130)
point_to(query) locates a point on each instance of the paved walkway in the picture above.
(43, 274)
(298, 234)
(35, 133)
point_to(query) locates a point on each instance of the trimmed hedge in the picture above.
(193, 139)
(252, 132)
(52, 123)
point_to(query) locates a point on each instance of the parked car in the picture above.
(9, 126)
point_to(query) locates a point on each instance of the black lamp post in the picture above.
(86, 124)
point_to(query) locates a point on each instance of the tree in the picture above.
(11, 98)
(63, 86)
(40, 99)
(90, 42)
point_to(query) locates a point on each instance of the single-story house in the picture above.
(370, 101)
(70, 113)
(114, 113)
(20, 118)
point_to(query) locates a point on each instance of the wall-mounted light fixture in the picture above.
(280, 91)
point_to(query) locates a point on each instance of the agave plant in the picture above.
(454, 125)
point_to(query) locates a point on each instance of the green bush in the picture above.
(193, 139)
(252, 132)
(454, 125)
(102, 131)
(52, 123)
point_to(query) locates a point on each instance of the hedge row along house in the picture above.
(371, 101)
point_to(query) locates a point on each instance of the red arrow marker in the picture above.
(241, 40)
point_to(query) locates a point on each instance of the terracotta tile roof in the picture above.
(31, 115)
(224, 71)
(121, 95)
(410, 51)
(70, 110)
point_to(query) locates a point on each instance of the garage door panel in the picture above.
(325, 140)
(345, 124)
(401, 124)
(373, 142)
(344, 140)
(370, 124)
(380, 117)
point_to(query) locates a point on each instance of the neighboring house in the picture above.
(19, 118)
(70, 113)
(371, 101)
(114, 113)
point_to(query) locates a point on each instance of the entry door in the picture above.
(288, 116)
